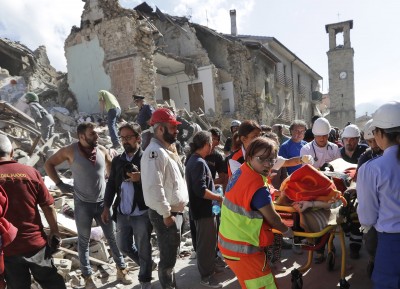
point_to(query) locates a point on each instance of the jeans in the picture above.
(168, 239)
(112, 116)
(133, 238)
(386, 274)
(47, 131)
(18, 270)
(84, 214)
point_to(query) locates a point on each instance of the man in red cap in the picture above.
(165, 191)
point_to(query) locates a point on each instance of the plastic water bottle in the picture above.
(216, 209)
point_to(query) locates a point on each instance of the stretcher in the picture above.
(326, 235)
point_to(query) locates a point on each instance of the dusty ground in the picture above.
(318, 277)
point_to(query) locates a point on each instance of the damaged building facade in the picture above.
(168, 58)
(22, 70)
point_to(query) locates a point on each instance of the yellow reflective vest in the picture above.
(243, 231)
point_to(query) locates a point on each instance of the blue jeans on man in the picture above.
(84, 214)
(168, 239)
(112, 116)
(137, 248)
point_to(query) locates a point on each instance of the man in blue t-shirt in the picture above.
(291, 148)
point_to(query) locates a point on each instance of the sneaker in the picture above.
(123, 277)
(211, 282)
(145, 285)
(219, 262)
(297, 250)
(89, 283)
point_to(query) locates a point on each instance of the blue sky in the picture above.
(298, 24)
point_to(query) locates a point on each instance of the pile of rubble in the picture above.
(66, 258)
(30, 149)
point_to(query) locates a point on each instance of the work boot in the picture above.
(123, 277)
(89, 283)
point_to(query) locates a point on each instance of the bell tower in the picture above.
(341, 74)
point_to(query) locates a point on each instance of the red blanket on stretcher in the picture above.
(309, 184)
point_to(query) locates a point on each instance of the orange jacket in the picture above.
(236, 156)
(243, 231)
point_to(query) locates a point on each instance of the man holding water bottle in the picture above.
(201, 196)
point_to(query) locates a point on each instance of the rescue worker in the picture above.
(320, 148)
(371, 237)
(229, 141)
(352, 148)
(248, 215)
(248, 130)
(29, 255)
(110, 103)
(143, 118)
(351, 152)
(374, 150)
(379, 202)
(40, 115)
(308, 135)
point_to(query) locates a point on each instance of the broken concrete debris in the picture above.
(32, 150)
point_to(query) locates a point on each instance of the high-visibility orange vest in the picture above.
(236, 156)
(243, 231)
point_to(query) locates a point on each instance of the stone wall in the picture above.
(128, 46)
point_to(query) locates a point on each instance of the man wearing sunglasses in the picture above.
(133, 223)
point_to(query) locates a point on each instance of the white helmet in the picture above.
(235, 123)
(368, 131)
(387, 117)
(351, 131)
(321, 127)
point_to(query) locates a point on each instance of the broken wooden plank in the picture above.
(18, 113)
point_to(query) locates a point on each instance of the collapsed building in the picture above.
(168, 58)
(22, 70)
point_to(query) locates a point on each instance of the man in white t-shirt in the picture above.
(320, 148)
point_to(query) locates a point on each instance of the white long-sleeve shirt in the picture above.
(321, 155)
(378, 192)
(163, 180)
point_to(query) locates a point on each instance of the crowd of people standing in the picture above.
(149, 187)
